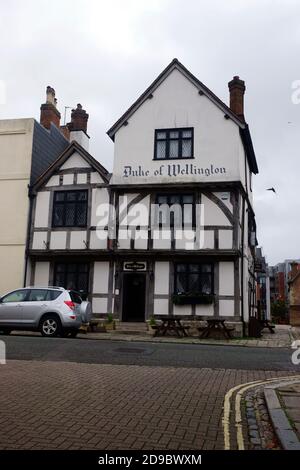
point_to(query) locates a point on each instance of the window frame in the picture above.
(169, 139)
(188, 272)
(181, 195)
(63, 203)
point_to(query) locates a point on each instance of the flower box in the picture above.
(193, 299)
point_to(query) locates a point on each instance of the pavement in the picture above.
(282, 338)
(283, 402)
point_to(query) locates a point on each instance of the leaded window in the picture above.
(175, 210)
(72, 276)
(173, 143)
(70, 209)
(197, 278)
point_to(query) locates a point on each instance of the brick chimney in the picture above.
(78, 126)
(79, 119)
(236, 91)
(49, 112)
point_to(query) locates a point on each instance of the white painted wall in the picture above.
(75, 161)
(41, 273)
(224, 197)
(182, 310)
(98, 243)
(42, 209)
(101, 273)
(81, 137)
(53, 181)
(68, 179)
(225, 239)
(39, 240)
(205, 310)
(161, 307)
(185, 240)
(226, 278)
(81, 178)
(141, 240)
(208, 240)
(161, 239)
(99, 197)
(77, 239)
(96, 178)
(161, 277)
(176, 103)
(226, 308)
(99, 305)
(213, 215)
(58, 240)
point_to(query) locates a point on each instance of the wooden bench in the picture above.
(215, 324)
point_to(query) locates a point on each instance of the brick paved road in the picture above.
(46, 405)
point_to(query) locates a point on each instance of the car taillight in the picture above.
(70, 304)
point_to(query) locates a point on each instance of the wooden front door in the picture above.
(134, 297)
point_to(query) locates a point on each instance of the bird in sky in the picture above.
(271, 189)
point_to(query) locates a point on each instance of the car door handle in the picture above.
(19, 305)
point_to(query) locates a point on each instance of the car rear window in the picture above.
(75, 297)
(53, 294)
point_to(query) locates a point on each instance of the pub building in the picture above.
(172, 230)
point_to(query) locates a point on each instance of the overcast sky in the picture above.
(103, 54)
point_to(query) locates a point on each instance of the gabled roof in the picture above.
(73, 147)
(176, 65)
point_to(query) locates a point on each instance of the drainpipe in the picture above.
(31, 199)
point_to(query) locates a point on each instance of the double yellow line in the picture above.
(240, 389)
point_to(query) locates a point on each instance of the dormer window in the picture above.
(174, 143)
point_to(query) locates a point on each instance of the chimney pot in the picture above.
(236, 91)
(49, 112)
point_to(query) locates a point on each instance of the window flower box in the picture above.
(193, 298)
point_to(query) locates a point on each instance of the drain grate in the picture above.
(130, 350)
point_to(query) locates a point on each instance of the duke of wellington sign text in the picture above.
(173, 170)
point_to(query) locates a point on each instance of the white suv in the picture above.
(51, 310)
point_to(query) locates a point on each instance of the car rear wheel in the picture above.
(50, 326)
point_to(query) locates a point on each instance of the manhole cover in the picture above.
(130, 350)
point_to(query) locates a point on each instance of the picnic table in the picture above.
(215, 324)
(267, 324)
(171, 324)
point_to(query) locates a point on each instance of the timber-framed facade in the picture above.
(132, 257)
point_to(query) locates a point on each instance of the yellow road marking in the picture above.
(238, 418)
